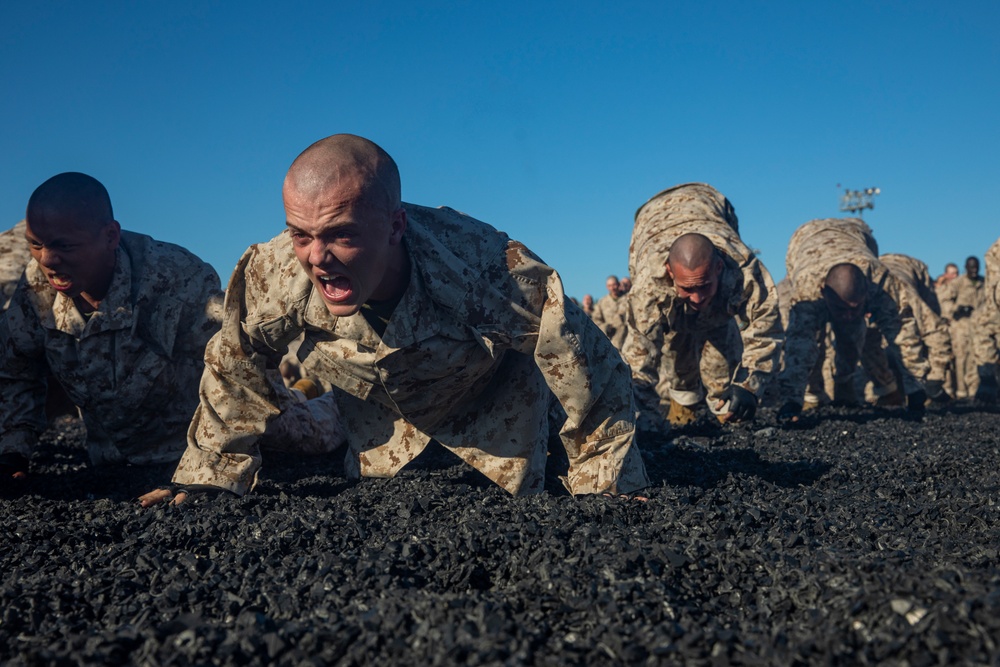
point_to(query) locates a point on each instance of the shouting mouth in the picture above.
(60, 282)
(336, 288)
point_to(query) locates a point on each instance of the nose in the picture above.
(48, 257)
(318, 252)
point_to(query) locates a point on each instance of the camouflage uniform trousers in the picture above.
(966, 377)
(697, 364)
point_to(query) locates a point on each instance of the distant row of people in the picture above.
(705, 325)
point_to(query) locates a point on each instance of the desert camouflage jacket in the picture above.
(815, 248)
(746, 292)
(986, 318)
(609, 316)
(14, 256)
(475, 351)
(132, 367)
(915, 278)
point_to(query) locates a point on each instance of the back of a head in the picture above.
(72, 194)
(691, 251)
(848, 282)
(341, 157)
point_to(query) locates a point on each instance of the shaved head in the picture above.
(691, 251)
(346, 160)
(72, 194)
(848, 282)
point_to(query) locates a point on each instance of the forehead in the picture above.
(702, 274)
(52, 225)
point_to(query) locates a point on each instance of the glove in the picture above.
(12, 466)
(844, 393)
(935, 391)
(987, 392)
(789, 411)
(742, 403)
(679, 415)
(917, 401)
(894, 399)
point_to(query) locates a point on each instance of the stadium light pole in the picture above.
(856, 201)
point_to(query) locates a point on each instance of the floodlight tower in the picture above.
(856, 201)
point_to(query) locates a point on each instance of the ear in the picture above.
(670, 274)
(398, 226)
(114, 234)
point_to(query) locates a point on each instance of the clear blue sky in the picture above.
(552, 121)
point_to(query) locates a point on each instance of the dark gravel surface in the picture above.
(860, 538)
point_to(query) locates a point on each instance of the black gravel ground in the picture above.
(855, 538)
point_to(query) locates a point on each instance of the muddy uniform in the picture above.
(609, 316)
(678, 353)
(933, 329)
(966, 297)
(132, 367)
(985, 340)
(479, 348)
(814, 249)
(14, 256)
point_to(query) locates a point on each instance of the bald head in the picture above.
(72, 195)
(845, 292)
(346, 160)
(848, 282)
(691, 251)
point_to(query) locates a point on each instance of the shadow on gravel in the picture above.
(688, 463)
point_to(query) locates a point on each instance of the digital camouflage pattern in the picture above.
(814, 249)
(479, 350)
(132, 367)
(915, 278)
(14, 256)
(985, 341)
(682, 354)
(609, 316)
(964, 297)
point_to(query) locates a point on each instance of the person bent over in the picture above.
(703, 311)
(432, 325)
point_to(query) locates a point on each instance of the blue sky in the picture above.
(552, 121)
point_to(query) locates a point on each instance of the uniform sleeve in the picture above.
(892, 311)
(23, 372)
(806, 322)
(601, 318)
(937, 340)
(590, 381)
(986, 334)
(236, 399)
(760, 329)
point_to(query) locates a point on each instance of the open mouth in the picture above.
(60, 282)
(336, 288)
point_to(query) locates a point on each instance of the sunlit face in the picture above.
(588, 302)
(77, 260)
(841, 310)
(950, 272)
(351, 249)
(697, 286)
(613, 287)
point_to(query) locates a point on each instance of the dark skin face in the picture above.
(76, 255)
(972, 267)
(843, 310)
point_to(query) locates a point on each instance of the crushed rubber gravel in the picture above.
(855, 537)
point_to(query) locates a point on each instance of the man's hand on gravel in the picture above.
(13, 468)
(789, 412)
(742, 404)
(176, 494)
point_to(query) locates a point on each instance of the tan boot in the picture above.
(679, 415)
(308, 388)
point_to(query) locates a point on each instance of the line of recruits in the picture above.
(413, 324)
